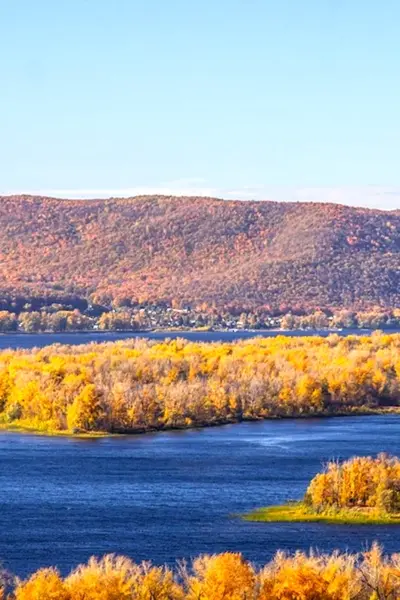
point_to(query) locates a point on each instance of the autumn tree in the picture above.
(221, 577)
(362, 482)
(45, 584)
(86, 412)
(8, 321)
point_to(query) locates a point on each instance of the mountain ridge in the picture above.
(200, 250)
(177, 197)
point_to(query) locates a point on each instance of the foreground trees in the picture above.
(369, 576)
(139, 385)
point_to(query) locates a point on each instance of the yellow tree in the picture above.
(86, 412)
(221, 577)
(45, 584)
(110, 578)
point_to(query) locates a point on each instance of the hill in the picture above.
(199, 250)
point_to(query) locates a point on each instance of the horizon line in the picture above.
(374, 197)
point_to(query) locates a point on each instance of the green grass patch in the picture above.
(23, 428)
(300, 512)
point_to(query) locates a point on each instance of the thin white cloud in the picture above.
(369, 196)
(374, 196)
(185, 181)
(85, 193)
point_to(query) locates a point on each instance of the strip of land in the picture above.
(360, 491)
(300, 512)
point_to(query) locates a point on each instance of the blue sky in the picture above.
(237, 98)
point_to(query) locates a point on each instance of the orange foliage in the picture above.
(369, 576)
(222, 577)
(45, 584)
(199, 251)
(361, 482)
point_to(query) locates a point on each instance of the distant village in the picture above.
(59, 318)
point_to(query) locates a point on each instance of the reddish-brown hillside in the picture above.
(200, 250)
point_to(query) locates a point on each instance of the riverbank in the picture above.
(29, 341)
(24, 428)
(301, 513)
(273, 331)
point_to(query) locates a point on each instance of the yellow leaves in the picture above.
(302, 577)
(294, 583)
(367, 576)
(379, 382)
(217, 397)
(221, 577)
(155, 583)
(45, 584)
(56, 367)
(118, 578)
(28, 395)
(73, 382)
(144, 385)
(109, 578)
(172, 375)
(380, 574)
(86, 412)
(308, 391)
(320, 492)
(361, 482)
(285, 395)
(5, 387)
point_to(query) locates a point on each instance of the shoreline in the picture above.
(276, 330)
(298, 512)
(27, 430)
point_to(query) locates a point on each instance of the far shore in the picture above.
(174, 330)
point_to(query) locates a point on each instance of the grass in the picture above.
(23, 428)
(300, 512)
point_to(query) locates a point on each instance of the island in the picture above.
(361, 490)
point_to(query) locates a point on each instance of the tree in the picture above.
(86, 412)
(45, 584)
(221, 577)
(31, 322)
(8, 321)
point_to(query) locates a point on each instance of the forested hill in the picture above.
(200, 250)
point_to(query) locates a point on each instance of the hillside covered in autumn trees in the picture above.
(199, 251)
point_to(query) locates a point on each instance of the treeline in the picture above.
(228, 576)
(139, 385)
(361, 482)
(56, 318)
(341, 319)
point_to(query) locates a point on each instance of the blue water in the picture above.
(173, 495)
(18, 340)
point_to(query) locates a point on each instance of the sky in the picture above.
(247, 99)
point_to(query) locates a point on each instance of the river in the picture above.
(37, 340)
(173, 495)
